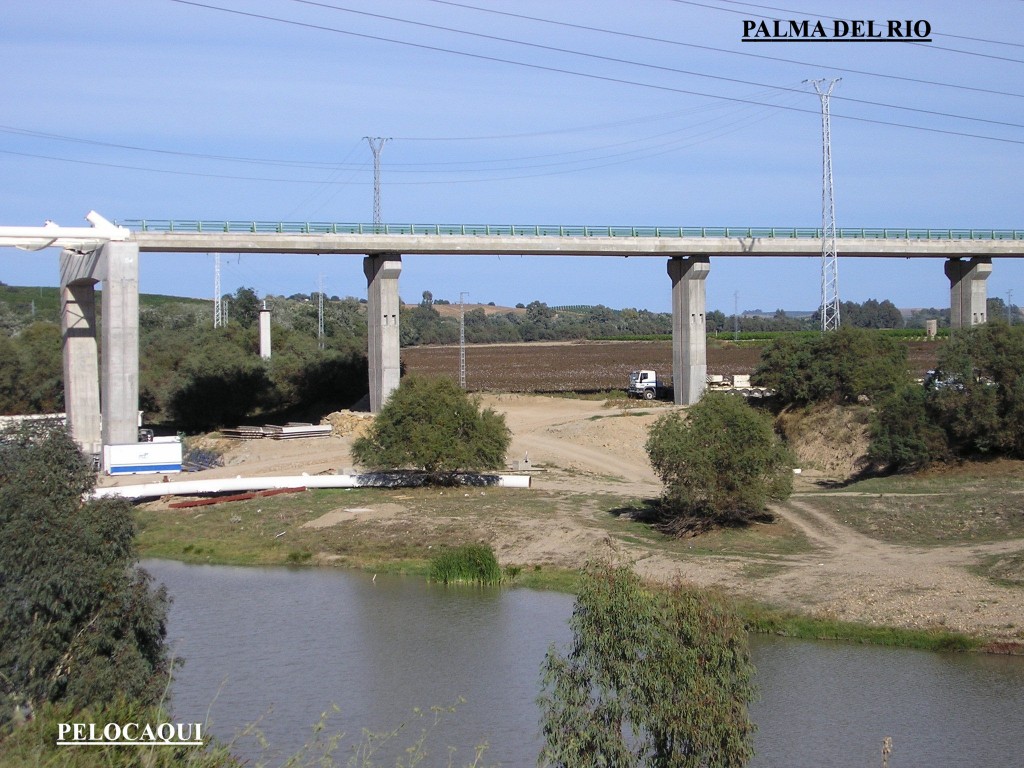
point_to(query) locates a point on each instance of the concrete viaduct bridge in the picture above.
(109, 254)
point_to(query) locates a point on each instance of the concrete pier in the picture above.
(81, 364)
(265, 332)
(689, 327)
(115, 392)
(968, 294)
(119, 369)
(382, 310)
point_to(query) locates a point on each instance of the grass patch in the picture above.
(468, 564)
(397, 530)
(1004, 570)
(632, 523)
(764, 620)
(929, 509)
(548, 578)
(618, 395)
(762, 569)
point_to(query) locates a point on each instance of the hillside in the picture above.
(21, 305)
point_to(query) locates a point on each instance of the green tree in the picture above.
(434, 426)
(651, 678)
(40, 347)
(12, 391)
(838, 367)
(904, 436)
(79, 622)
(981, 404)
(245, 307)
(721, 465)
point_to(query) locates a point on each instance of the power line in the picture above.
(765, 57)
(592, 76)
(929, 46)
(646, 65)
(805, 13)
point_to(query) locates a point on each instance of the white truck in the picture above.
(645, 384)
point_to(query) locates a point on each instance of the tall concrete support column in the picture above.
(265, 332)
(119, 368)
(968, 295)
(382, 307)
(689, 327)
(81, 366)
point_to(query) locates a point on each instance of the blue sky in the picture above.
(162, 109)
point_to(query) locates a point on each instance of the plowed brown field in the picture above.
(585, 366)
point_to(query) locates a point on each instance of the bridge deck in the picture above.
(508, 239)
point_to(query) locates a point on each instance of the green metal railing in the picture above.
(544, 230)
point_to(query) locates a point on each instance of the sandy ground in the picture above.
(584, 447)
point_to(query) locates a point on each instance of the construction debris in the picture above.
(348, 423)
(289, 431)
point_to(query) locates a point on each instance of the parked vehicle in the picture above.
(645, 384)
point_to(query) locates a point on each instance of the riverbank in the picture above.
(936, 554)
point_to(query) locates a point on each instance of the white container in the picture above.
(142, 458)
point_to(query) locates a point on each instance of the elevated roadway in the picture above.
(557, 240)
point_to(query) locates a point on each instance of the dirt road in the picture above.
(847, 576)
(581, 451)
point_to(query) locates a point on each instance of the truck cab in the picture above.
(643, 384)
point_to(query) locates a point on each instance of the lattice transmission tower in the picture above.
(376, 145)
(829, 257)
(462, 339)
(218, 310)
(320, 313)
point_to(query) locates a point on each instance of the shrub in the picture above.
(904, 437)
(972, 405)
(983, 409)
(434, 426)
(721, 464)
(471, 563)
(79, 622)
(650, 679)
(835, 367)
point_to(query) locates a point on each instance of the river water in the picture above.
(278, 647)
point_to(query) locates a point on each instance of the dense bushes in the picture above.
(838, 367)
(213, 378)
(972, 406)
(434, 426)
(903, 434)
(31, 371)
(79, 622)
(721, 465)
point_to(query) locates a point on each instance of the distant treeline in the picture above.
(536, 321)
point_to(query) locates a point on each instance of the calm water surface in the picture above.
(280, 646)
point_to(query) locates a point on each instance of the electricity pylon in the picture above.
(218, 310)
(376, 145)
(829, 257)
